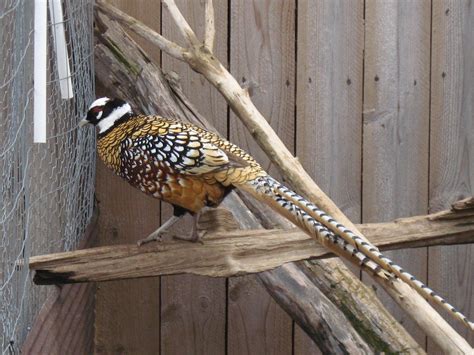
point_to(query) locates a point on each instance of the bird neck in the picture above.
(114, 118)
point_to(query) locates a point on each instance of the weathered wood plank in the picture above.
(329, 101)
(142, 297)
(67, 317)
(226, 253)
(127, 312)
(396, 123)
(329, 98)
(451, 269)
(193, 307)
(262, 57)
(148, 12)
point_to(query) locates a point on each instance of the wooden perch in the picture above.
(241, 251)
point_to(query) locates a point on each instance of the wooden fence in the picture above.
(376, 98)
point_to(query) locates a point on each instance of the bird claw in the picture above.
(151, 238)
(193, 238)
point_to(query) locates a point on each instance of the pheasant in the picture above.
(192, 168)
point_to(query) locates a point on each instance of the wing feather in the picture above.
(184, 151)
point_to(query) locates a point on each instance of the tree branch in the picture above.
(143, 31)
(181, 23)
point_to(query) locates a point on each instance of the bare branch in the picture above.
(210, 28)
(182, 24)
(142, 30)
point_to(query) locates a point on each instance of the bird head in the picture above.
(105, 113)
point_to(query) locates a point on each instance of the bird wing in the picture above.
(184, 151)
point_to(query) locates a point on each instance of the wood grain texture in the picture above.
(452, 147)
(262, 58)
(303, 344)
(204, 97)
(396, 123)
(329, 98)
(127, 312)
(329, 103)
(228, 253)
(66, 319)
(148, 12)
(194, 308)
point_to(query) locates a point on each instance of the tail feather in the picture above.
(338, 238)
(262, 191)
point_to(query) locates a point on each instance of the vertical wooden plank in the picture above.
(329, 105)
(127, 312)
(257, 324)
(67, 316)
(329, 97)
(194, 308)
(303, 344)
(396, 123)
(148, 12)
(263, 58)
(452, 147)
(204, 96)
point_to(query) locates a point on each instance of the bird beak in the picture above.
(83, 122)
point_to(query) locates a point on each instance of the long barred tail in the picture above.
(327, 230)
(260, 189)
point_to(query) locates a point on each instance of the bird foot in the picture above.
(194, 237)
(153, 237)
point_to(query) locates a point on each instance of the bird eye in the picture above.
(97, 109)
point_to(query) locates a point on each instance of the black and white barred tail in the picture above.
(263, 191)
(330, 230)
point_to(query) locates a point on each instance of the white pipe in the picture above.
(40, 69)
(60, 46)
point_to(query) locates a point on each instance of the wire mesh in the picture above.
(46, 190)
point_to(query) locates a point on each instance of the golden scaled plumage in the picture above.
(177, 162)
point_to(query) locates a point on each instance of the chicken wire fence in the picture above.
(46, 190)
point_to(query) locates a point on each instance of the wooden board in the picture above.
(329, 104)
(194, 308)
(396, 123)
(262, 56)
(127, 312)
(66, 319)
(148, 12)
(452, 147)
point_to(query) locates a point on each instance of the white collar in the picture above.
(107, 122)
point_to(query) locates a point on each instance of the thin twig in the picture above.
(182, 24)
(210, 28)
(142, 30)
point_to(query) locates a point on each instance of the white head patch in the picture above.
(99, 102)
(108, 121)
